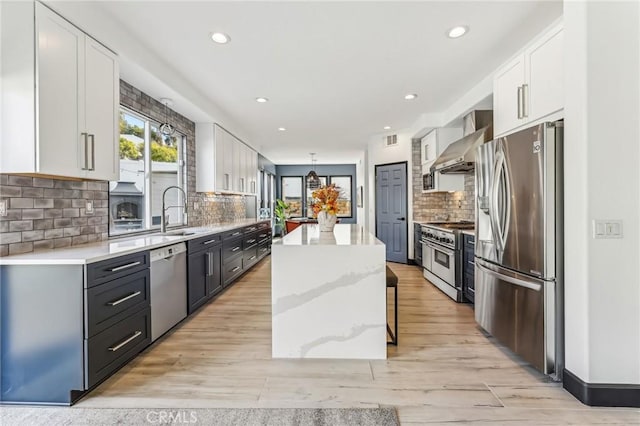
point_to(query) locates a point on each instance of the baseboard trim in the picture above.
(601, 395)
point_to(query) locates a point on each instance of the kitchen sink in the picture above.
(178, 233)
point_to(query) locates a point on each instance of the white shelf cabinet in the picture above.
(60, 97)
(224, 164)
(432, 145)
(529, 88)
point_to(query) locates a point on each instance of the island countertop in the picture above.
(94, 252)
(342, 235)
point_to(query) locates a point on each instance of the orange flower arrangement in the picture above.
(325, 199)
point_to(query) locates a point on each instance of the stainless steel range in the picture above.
(442, 256)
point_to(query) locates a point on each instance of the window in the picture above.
(309, 198)
(149, 163)
(343, 183)
(292, 194)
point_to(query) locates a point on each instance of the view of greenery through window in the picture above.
(150, 162)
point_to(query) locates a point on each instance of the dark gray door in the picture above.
(391, 210)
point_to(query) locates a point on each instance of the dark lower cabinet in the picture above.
(417, 244)
(203, 276)
(468, 278)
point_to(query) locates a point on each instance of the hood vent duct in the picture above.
(460, 156)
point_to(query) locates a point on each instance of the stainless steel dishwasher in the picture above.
(168, 288)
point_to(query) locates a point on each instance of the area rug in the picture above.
(69, 416)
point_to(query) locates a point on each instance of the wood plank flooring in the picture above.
(444, 369)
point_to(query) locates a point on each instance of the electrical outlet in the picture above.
(89, 207)
(3, 207)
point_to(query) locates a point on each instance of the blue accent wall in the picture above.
(322, 170)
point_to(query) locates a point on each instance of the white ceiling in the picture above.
(335, 72)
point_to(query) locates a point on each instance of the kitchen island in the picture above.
(328, 294)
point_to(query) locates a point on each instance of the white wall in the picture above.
(602, 181)
(378, 153)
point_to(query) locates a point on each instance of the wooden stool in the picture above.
(392, 282)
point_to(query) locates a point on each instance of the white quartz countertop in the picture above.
(343, 235)
(95, 252)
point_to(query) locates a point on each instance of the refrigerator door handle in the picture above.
(506, 213)
(512, 280)
(493, 210)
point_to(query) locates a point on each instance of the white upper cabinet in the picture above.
(101, 102)
(432, 145)
(223, 162)
(60, 95)
(529, 88)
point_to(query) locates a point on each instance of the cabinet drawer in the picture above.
(469, 265)
(108, 270)
(264, 225)
(234, 233)
(111, 349)
(231, 270)
(203, 243)
(231, 249)
(263, 250)
(250, 229)
(250, 241)
(263, 235)
(249, 257)
(111, 302)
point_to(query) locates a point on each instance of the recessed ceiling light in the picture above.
(458, 31)
(282, 129)
(262, 100)
(410, 96)
(220, 38)
(387, 127)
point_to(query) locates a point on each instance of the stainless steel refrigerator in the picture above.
(518, 254)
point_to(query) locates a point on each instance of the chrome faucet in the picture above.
(163, 221)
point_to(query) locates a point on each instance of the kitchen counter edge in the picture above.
(95, 252)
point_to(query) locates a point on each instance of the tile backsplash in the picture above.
(47, 213)
(438, 206)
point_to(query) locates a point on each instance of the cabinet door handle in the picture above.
(519, 102)
(209, 264)
(226, 181)
(525, 100)
(235, 248)
(209, 242)
(124, 342)
(86, 151)
(128, 265)
(241, 184)
(92, 137)
(237, 268)
(124, 299)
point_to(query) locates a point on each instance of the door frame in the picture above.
(406, 201)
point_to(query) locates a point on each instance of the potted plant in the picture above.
(282, 213)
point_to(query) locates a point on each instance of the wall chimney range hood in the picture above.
(460, 156)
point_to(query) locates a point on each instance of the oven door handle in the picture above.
(442, 249)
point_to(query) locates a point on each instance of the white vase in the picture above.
(326, 221)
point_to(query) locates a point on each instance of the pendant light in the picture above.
(167, 128)
(313, 181)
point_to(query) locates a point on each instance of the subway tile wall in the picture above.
(50, 213)
(439, 206)
(46, 213)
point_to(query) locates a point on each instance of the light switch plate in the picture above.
(89, 207)
(3, 207)
(608, 228)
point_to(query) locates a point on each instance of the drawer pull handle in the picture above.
(472, 263)
(235, 248)
(262, 235)
(252, 257)
(236, 233)
(237, 268)
(128, 265)
(471, 243)
(209, 242)
(124, 299)
(251, 241)
(253, 228)
(128, 340)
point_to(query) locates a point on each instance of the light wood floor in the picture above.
(444, 370)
